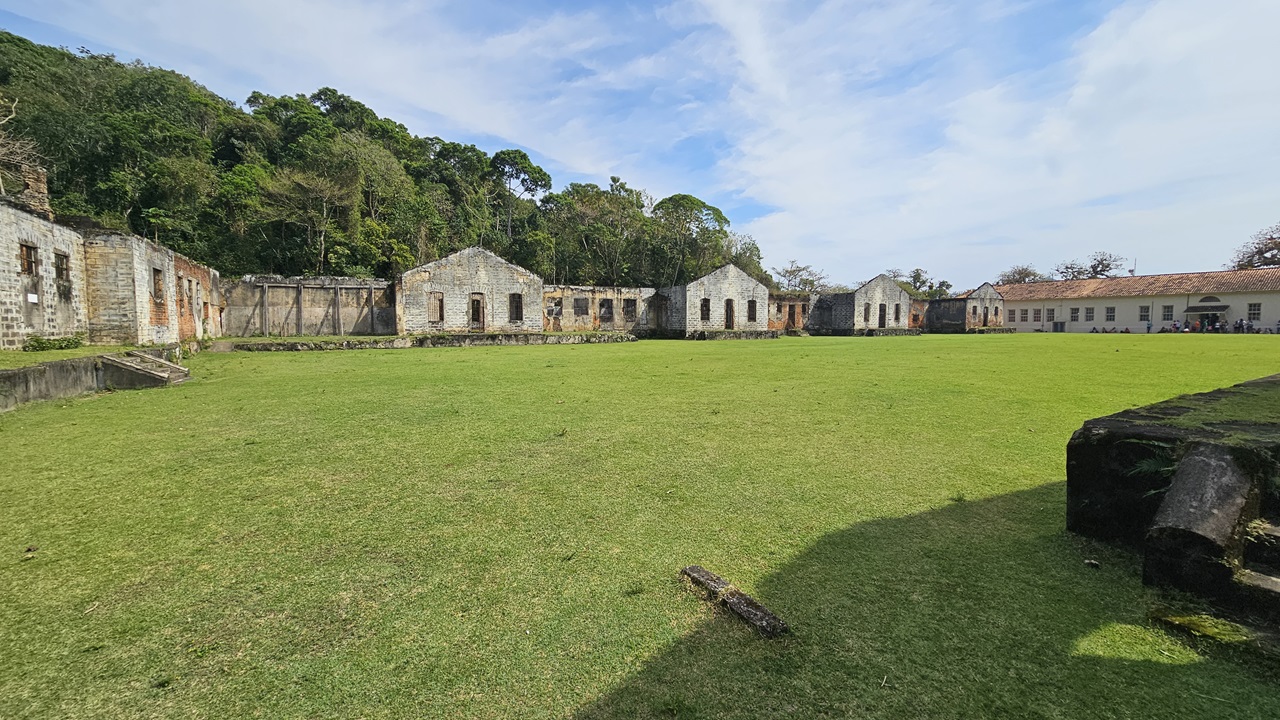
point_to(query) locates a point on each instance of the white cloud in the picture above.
(957, 136)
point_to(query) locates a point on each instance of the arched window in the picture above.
(1210, 299)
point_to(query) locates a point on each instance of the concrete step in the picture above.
(176, 373)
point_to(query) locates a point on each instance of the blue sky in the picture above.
(959, 136)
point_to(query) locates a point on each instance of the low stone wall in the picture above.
(872, 332)
(60, 379)
(49, 381)
(427, 341)
(709, 335)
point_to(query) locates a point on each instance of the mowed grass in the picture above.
(496, 532)
(10, 359)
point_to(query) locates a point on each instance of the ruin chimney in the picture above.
(34, 197)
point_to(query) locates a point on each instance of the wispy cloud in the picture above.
(957, 136)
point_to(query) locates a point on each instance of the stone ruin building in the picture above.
(973, 311)
(472, 290)
(57, 282)
(879, 307)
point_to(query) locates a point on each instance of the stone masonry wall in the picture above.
(474, 273)
(39, 303)
(560, 311)
(727, 283)
(309, 306)
(113, 312)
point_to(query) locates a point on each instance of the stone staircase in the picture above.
(136, 369)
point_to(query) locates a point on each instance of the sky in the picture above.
(962, 137)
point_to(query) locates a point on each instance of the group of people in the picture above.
(1197, 326)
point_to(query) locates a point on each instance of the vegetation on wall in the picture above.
(320, 184)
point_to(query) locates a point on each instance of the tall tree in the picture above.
(795, 277)
(1019, 274)
(1098, 265)
(1262, 250)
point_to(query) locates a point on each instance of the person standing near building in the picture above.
(1148, 327)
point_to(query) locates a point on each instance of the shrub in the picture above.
(36, 343)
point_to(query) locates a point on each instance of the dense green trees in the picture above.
(320, 184)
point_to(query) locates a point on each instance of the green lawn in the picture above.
(496, 532)
(17, 358)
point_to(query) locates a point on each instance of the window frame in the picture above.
(515, 307)
(61, 267)
(1109, 313)
(28, 259)
(1089, 314)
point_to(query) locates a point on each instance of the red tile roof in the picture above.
(1201, 283)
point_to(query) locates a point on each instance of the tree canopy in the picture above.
(1262, 250)
(1020, 274)
(320, 184)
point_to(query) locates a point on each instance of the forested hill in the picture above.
(319, 184)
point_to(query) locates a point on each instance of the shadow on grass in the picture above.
(979, 609)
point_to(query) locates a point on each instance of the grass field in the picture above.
(496, 532)
(16, 358)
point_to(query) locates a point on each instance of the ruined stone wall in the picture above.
(469, 279)
(39, 302)
(984, 307)
(606, 308)
(113, 308)
(789, 311)
(919, 314)
(867, 300)
(199, 300)
(726, 284)
(274, 305)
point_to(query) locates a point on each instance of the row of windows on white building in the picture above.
(1109, 314)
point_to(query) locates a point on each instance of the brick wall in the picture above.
(38, 303)
(467, 275)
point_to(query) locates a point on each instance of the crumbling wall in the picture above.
(199, 300)
(578, 308)
(790, 311)
(274, 305)
(880, 304)
(472, 290)
(34, 300)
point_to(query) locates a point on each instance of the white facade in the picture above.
(1117, 314)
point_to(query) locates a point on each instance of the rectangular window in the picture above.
(1144, 313)
(29, 260)
(62, 267)
(804, 310)
(435, 307)
(1050, 314)
(1088, 314)
(1035, 315)
(866, 312)
(1075, 314)
(1110, 314)
(629, 309)
(706, 310)
(897, 313)
(751, 311)
(581, 307)
(157, 284)
(1023, 314)
(556, 309)
(191, 289)
(606, 310)
(1166, 312)
(1255, 311)
(515, 308)
(779, 309)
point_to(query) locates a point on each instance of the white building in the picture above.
(1146, 301)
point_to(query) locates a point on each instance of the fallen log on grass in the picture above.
(739, 603)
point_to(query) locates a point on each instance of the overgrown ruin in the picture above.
(1194, 483)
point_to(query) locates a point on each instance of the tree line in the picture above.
(320, 184)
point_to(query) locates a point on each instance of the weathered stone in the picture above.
(1195, 540)
(739, 603)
